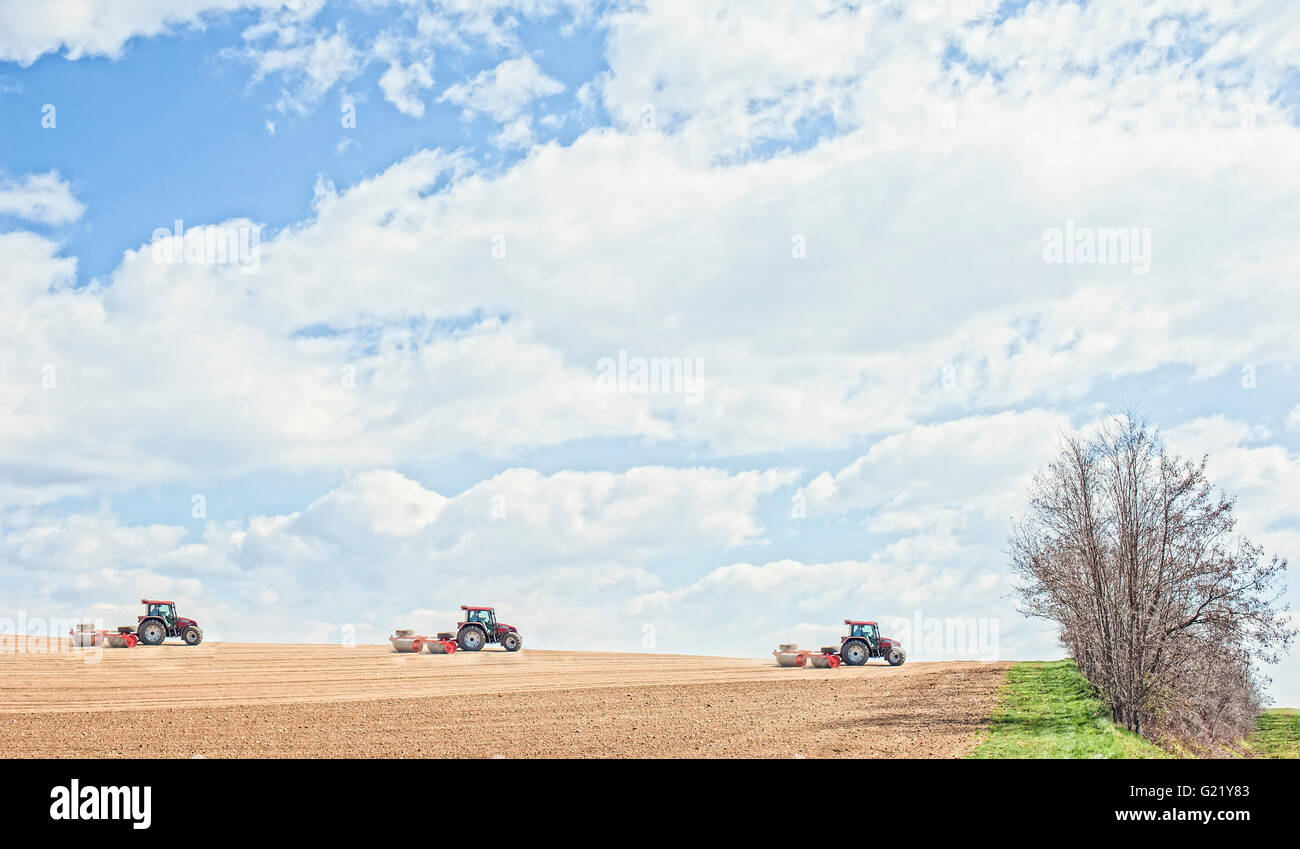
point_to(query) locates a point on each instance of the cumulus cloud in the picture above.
(103, 27)
(945, 474)
(309, 66)
(42, 198)
(503, 92)
(402, 84)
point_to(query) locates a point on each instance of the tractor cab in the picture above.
(484, 616)
(164, 610)
(868, 631)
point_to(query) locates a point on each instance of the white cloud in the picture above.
(627, 242)
(1243, 462)
(401, 85)
(44, 198)
(515, 134)
(28, 30)
(504, 91)
(943, 475)
(309, 67)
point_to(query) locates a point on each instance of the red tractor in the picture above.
(864, 641)
(481, 627)
(160, 622)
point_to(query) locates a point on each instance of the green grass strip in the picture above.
(1047, 710)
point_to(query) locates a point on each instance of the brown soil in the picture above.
(268, 700)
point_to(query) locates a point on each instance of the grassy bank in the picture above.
(1047, 710)
(1277, 734)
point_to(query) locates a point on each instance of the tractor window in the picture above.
(868, 632)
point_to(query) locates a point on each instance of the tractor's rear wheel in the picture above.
(151, 633)
(854, 654)
(471, 639)
(512, 642)
(193, 635)
(895, 657)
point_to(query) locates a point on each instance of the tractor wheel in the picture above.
(151, 633)
(193, 635)
(512, 642)
(854, 654)
(471, 639)
(896, 656)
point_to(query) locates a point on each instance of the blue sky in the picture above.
(838, 211)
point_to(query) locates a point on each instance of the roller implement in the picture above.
(789, 654)
(407, 641)
(86, 635)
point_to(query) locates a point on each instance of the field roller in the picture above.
(85, 635)
(125, 638)
(406, 641)
(789, 654)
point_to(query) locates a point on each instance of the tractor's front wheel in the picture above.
(151, 633)
(193, 635)
(895, 656)
(854, 654)
(512, 642)
(471, 639)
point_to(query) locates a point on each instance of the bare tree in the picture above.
(1165, 609)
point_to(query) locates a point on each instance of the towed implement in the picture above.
(789, 654)
(86, 635)
(407, 641)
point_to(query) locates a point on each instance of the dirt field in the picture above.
(265, 700)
